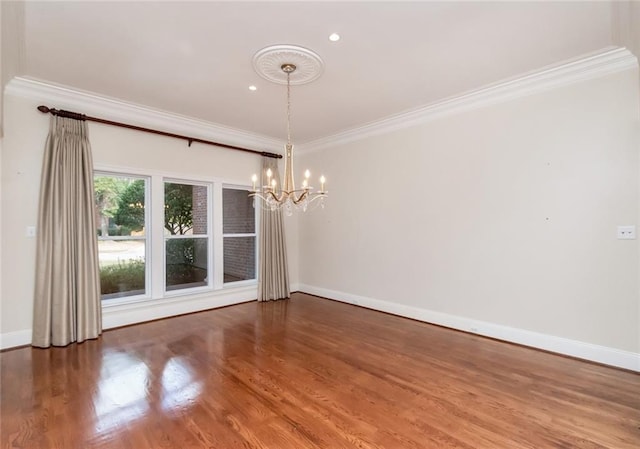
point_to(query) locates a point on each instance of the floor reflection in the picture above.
(121, 396)
(127, 390)
(180, 389)
(273, 313)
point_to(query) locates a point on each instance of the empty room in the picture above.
(319, 224)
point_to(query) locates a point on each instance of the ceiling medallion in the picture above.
(268, 64)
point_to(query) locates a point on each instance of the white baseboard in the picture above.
(13, 339)
(139, 312)
(126, 314)
(588, 351)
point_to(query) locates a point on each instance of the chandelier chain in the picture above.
(288, 108)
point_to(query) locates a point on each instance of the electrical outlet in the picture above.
(31, 231)
(627, 232)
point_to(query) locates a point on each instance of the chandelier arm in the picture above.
(272, 194)
(283, 197)
(317, 195)
(261, 199)
(301, 198)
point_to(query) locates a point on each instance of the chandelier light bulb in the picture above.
(307, 174)
(254, 179)
(273, 183)
(269, 173)
(305, 183)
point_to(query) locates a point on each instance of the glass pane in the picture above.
(186, 263)
(239, 258)
(238, 213)
(119, 205)
(185, 209)
(122, 268)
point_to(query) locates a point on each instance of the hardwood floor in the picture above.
(309, 373)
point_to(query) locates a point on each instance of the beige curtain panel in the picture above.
(273, 271)
(67, 291)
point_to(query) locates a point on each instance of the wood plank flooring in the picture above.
(309, 373)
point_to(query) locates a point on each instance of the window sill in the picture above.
(239, 284)
(177, 296)
(141, 310)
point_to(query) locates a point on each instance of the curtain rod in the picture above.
(77, 116)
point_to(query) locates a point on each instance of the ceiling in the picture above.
(195, 58)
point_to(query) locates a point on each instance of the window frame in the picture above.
(115, 298)
(256, 211)
(209, 236)
(154, 233)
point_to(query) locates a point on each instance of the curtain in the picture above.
(273, 271)
(67, 290)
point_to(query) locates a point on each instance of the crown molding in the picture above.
(609, 60)
(64, 97)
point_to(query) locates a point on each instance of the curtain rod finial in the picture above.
(44, 109)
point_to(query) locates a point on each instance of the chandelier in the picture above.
(271, 195)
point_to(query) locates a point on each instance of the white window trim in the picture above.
(117, 300)
(256, 222)
(209, 236)
(154, 215)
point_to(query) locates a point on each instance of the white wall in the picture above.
(625, 18)
(23, 145)
(11, 46)
(499, 220)
(11, 64)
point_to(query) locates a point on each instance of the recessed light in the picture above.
(252, 88)
(334, 37)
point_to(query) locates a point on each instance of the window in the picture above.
(161, 236)
(239, 235)
(122, 238)
(186, 228)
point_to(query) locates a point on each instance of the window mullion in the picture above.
(217, 239)
(157, 237)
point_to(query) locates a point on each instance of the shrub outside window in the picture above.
(122, 238)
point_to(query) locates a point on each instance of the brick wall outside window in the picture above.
(239, 252)
(199, 209)
(199, 214)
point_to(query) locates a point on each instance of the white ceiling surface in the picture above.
(195, 59)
